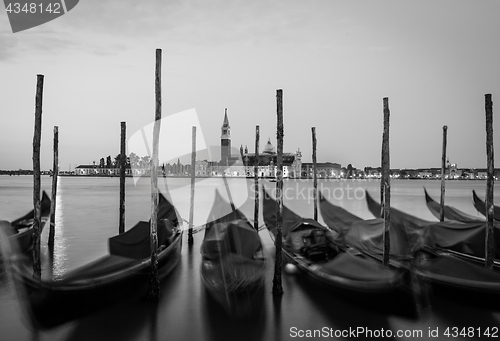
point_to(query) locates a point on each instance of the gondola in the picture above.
(480, 206)
(323, 257)
(460, 278)
(367, 235)
(449, 255)
(20, 230)
(233, 263)
(465, 240)
(124, 271)
(450, 213)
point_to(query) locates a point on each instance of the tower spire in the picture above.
(225, 139)
(226, 121)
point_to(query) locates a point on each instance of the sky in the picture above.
(334, 60)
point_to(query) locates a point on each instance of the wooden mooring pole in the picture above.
(191, 206)
(277, 284)
(386, 169)
(37, 269)
(489, 242)
(55, 174)
(315, 177)
(443, 172)
(256, 180)
(123, 157)
(154, 282)
(382, 177)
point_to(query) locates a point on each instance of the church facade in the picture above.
(267, 162)
(243, 164)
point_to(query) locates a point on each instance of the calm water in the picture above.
(87, 215)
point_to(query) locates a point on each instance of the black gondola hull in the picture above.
(233, 263)
(51, 304)
(21, 229)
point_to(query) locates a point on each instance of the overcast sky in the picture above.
(334, 60)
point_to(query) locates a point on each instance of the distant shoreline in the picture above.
(234, 177)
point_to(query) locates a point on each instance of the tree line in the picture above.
(141, 162)
(133, 160)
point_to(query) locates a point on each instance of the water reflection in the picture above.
(277, 302)
(453, 313)
(132, 318)
(60, 254)
(340, 314)
(222, 326)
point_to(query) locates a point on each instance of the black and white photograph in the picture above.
(249, 170)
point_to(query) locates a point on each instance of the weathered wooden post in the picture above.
(382, 169)
(489, 243)
(123, 158)
(154, 282)
(37, 269)
(382, 177)
(277, 285)
(443, 173)
(256, 180)
(315, 177)
(386, 169)
(55, 174)
(191, 206)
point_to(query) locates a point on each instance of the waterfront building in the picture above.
(482, 173)
(202, 168)
(425, 174)
(454, 172)
(101, 171)
(324, 170)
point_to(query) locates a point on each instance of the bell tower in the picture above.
(225, 140)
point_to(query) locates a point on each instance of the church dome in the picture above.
(269, 148)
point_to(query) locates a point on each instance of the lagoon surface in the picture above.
(87, 215)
